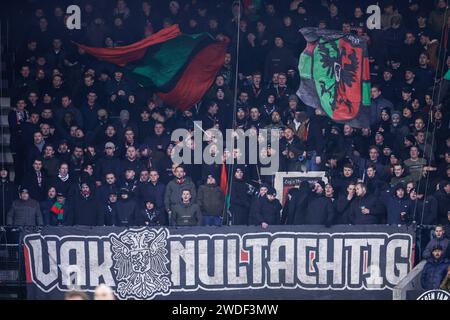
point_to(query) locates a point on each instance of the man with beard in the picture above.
(320, 209)
(366, 208)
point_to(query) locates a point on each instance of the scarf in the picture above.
(151, 214)
(58, 209)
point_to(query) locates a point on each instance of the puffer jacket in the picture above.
(433, 273)
(24, 213)
(211, 200)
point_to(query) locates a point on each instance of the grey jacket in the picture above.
(174, 191)
(186, 214)
(24, 213)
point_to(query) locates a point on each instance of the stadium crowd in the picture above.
(92, 147)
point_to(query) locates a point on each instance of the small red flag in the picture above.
(224, 179)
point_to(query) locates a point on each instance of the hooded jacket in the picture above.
(433, 273)
(395, 205)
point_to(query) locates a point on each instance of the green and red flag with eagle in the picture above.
(179, 67)
(335, 75)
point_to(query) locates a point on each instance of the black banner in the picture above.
(285, 262)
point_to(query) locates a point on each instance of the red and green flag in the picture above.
(224, 185)
(180, 67)
(335, 75)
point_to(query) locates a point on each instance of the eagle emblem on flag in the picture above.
(140, 262)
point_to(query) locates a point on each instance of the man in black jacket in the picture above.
(127, 209)
(269, 210)
(239, 198)
(150, 215)
(256, 204)
(109, 163)
(36, 181)
(344, 203)
(320, 209)
(366, 208)
(109, 208)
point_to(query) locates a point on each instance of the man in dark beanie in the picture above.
(435, 269)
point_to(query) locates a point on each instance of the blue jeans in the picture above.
(212, 221)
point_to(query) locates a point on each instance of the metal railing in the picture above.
(12, 269)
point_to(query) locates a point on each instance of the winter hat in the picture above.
(149, 199)
(322, 184)
(293, 97)
(399, 186)
(124, 191)
(396, 114)
(124, 115)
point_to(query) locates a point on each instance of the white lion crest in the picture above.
(140, 262)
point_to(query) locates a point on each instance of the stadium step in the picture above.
(5, 139)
